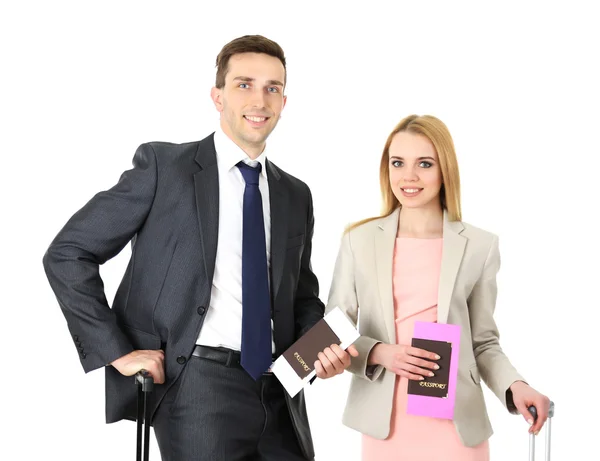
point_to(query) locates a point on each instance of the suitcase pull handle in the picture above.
(144, 379)
(533, 411)
(548, 429)
(145, 385)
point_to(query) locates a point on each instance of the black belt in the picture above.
(222, 355)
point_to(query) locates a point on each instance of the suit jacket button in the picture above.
(76, 338)
(181, 360)
(201, 310)
(83, 355)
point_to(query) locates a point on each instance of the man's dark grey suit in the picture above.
(167, 206)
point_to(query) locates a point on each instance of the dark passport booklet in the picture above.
(304, 352)
(295, 367)
(435, 386)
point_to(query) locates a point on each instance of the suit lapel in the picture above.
(453, 249)
(279, 203)
(206, 184)
(385, 239)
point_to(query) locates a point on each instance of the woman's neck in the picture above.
(421, 222)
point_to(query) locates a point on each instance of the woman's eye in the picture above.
(396, 163)
(425, 164)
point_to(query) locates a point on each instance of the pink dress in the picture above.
(416, 275)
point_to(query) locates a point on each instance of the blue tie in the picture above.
(256, 306)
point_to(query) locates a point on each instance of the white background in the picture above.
(84, 83)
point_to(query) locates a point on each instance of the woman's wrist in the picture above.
(375, 354)
(517, 384)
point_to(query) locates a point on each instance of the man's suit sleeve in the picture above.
(93, 235)
(308, 307)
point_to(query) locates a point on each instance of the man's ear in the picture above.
(216, 94)
(283, 107)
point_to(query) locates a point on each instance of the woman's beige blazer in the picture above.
(362, 288)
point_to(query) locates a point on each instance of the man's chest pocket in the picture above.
(295, 242)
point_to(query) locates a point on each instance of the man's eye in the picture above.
(243, 85)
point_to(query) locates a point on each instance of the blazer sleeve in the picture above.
(308, 308)
(93, 235)
(493, 365)
(342, 294)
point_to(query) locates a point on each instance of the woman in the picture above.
(419, 261)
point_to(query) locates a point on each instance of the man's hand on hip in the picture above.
(150, 360)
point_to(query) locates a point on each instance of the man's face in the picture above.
(252, 99)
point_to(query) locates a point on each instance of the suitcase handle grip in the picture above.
(534, 412)
(145, 380)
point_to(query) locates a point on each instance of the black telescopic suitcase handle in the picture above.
(145, 385)
(548, 428)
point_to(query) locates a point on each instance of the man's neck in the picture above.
(253, 151)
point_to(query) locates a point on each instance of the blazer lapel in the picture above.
(279, 203)
(206, 184)
(385, 239)
(453, 249)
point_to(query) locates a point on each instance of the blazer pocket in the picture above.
(141, 340)
(475, 375)
(294, 242)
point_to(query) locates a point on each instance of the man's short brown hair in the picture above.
(246, 44)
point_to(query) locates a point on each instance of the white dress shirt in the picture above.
(223, 322)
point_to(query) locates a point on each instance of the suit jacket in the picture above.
(362, 287)
(167, 206)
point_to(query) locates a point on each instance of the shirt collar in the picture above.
(229, 154)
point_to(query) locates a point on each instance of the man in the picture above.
(219, 282)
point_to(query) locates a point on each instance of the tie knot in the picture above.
(250, 173)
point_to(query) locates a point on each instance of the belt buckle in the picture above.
(230, 358)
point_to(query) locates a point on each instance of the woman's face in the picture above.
(415, 174)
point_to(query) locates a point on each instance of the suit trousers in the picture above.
(217, 412)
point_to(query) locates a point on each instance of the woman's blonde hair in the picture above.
(436, 131)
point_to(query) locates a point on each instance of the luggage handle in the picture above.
(548, 430)
(145, 385)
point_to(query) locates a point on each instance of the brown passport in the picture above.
(435, 386)
(304, 352)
